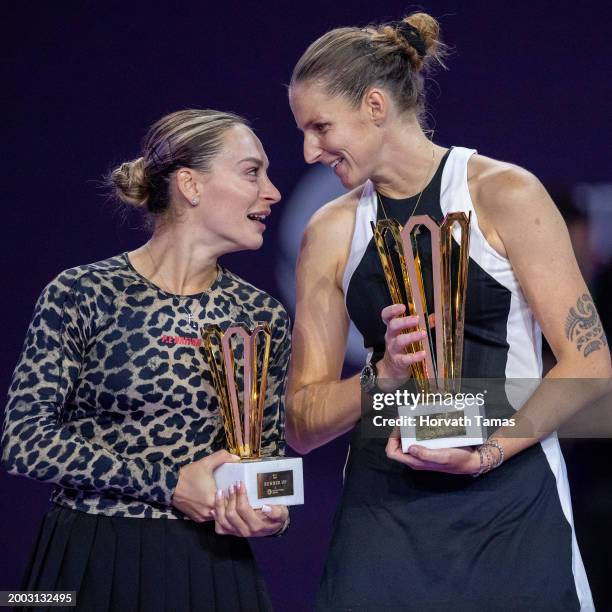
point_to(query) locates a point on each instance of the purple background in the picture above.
(529, 82)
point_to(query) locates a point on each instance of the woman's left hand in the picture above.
(234, 515)
(450, 460)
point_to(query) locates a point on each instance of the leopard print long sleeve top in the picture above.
(113, 394)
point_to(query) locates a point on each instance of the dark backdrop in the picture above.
(529, 82)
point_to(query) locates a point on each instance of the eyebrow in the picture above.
(307, 125)
(311, 123)
(253, 160)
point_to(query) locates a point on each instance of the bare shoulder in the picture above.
(507, 198)
(336, 217)
(495, 185)
(328, 235)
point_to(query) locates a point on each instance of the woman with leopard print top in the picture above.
(113, 402)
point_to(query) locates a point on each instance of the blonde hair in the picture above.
(185, 139)
(348, 61)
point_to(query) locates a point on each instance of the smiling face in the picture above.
(336, 134)
(236, 195)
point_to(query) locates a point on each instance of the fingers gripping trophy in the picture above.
(268, 480)
(438, 420)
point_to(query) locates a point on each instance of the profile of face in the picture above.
(336, 134)
(235, 194)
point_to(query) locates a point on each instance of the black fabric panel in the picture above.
(414, 541)
(121, 564)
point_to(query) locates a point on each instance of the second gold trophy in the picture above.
(268, 480)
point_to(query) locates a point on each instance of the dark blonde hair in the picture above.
(348, 61)
(185, 139)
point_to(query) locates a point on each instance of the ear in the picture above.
(186, 183)
(376, 105)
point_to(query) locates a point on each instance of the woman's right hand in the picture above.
(396, 361)
(195, 491)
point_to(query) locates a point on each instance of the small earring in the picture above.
(195, 201)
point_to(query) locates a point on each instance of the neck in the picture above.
(408, 161)
(176, 261)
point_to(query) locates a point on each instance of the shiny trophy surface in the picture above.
(268, 480)
(433, 281)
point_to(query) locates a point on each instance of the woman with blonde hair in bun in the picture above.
(113, 402)
(417, 531)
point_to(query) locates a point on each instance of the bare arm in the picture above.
(536, 240)
(320, 406)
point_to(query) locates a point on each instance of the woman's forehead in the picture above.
(310, 102)
(240, 143)
(306, 92)
(307, 98)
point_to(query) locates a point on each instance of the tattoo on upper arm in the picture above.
(583, 326)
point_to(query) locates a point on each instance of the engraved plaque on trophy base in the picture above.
(269, 480)
(441, 426)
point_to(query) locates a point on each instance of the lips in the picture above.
(259, 217)
(337, 165)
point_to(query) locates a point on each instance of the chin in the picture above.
(250, 244)
(350, 180)
(254, 244)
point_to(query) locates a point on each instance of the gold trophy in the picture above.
(442, 417)
(268, 480)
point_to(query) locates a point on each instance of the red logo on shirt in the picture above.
(181, 340)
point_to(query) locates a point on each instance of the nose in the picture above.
(270, 193)
(312, 151)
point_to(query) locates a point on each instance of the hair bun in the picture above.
(413, 37)
(130, 183)
(428, 28)
(418, 36)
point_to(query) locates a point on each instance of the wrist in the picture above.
(368, 379)
(283, 528)
(490, 456)
(388, 378)
(177, 494)
(382, 368)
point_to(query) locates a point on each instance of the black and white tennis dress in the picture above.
(428, 541)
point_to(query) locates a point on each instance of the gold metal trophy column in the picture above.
(270, 480)
(442, 417)
(401, 293)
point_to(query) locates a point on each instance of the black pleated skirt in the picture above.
(142, 564)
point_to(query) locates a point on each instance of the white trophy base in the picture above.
(270, 480)
(441, 426)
